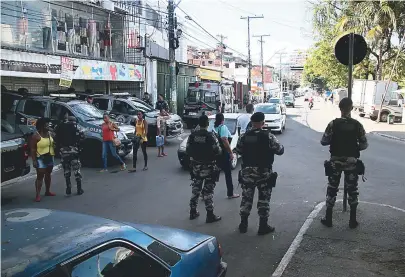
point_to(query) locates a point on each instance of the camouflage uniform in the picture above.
(346, 165)
(252, 177)
(203, 177)
(70, 161)
(203, 174)
(345, 145)
(69, 137)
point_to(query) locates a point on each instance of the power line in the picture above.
(190, 18)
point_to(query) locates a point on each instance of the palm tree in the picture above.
(377, 21)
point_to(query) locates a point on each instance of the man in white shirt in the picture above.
(244, 119)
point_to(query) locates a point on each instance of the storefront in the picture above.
(186, 74)
(41, 74)
(209, 74)
(63, 28)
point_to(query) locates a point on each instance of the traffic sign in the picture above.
(342, 48)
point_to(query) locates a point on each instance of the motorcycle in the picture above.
(311, 104)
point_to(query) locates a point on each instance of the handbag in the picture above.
(47, 158)
(116, 141)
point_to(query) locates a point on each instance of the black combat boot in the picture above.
(353, 222)
(68, 187)
(327, 220)
(80, 191)
(264, 228)
(194, 214)
(243, 224)
(211, 217)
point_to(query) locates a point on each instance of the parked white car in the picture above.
(231, 120)
(275, 116)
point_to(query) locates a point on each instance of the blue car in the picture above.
(49, 243)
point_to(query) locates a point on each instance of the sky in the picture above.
(288, 22)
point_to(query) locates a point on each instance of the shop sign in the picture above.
(108, 71)
(66, 74)
(208, 74)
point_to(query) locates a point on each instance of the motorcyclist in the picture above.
(311, 101)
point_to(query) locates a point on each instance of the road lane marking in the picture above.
(297, 241)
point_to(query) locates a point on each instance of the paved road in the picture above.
(161, 196)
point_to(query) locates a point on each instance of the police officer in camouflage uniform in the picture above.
(257, 147)
(203, 148)
(68, 138)
(346, 137)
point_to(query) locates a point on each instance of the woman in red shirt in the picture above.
(108, 129)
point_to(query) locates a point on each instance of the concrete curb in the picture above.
(388, 136)
(26, 177)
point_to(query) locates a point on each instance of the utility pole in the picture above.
(262, 62)
(281, 79)
(249, 59)
(222, 37)
(172, 58)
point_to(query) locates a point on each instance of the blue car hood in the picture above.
(176, 238)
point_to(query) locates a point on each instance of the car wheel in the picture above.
(384, 117)
(234, 162)
(120, 119)
(91, 155)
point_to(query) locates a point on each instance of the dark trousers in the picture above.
(135, 153)
(226, 167)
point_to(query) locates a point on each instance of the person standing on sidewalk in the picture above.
(68, 138)
(108, 129)
(203, 148)
(42, 154)
(257, 148)
(224, 134)
(141, 140)
(346, 138)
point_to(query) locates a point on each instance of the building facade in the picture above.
(90, 41)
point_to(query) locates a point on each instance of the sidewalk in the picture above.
(323, 112)
(375, 248)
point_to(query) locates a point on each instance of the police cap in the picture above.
(257, 117)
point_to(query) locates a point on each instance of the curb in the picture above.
(389, 136)
(26, 177)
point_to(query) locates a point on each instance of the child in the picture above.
(161, 132)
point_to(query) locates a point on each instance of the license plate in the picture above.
(192, 113)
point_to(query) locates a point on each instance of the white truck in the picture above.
(367, 98)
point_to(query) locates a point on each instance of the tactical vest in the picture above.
(256, 149)
(200, 146)
(344, 139)
(68, 134)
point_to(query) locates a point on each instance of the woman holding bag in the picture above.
(141, 139)
(108, 128)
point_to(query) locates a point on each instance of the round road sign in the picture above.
(359, 49)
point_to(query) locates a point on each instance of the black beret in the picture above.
(257, 117)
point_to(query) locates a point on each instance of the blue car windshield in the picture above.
(87, 112)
